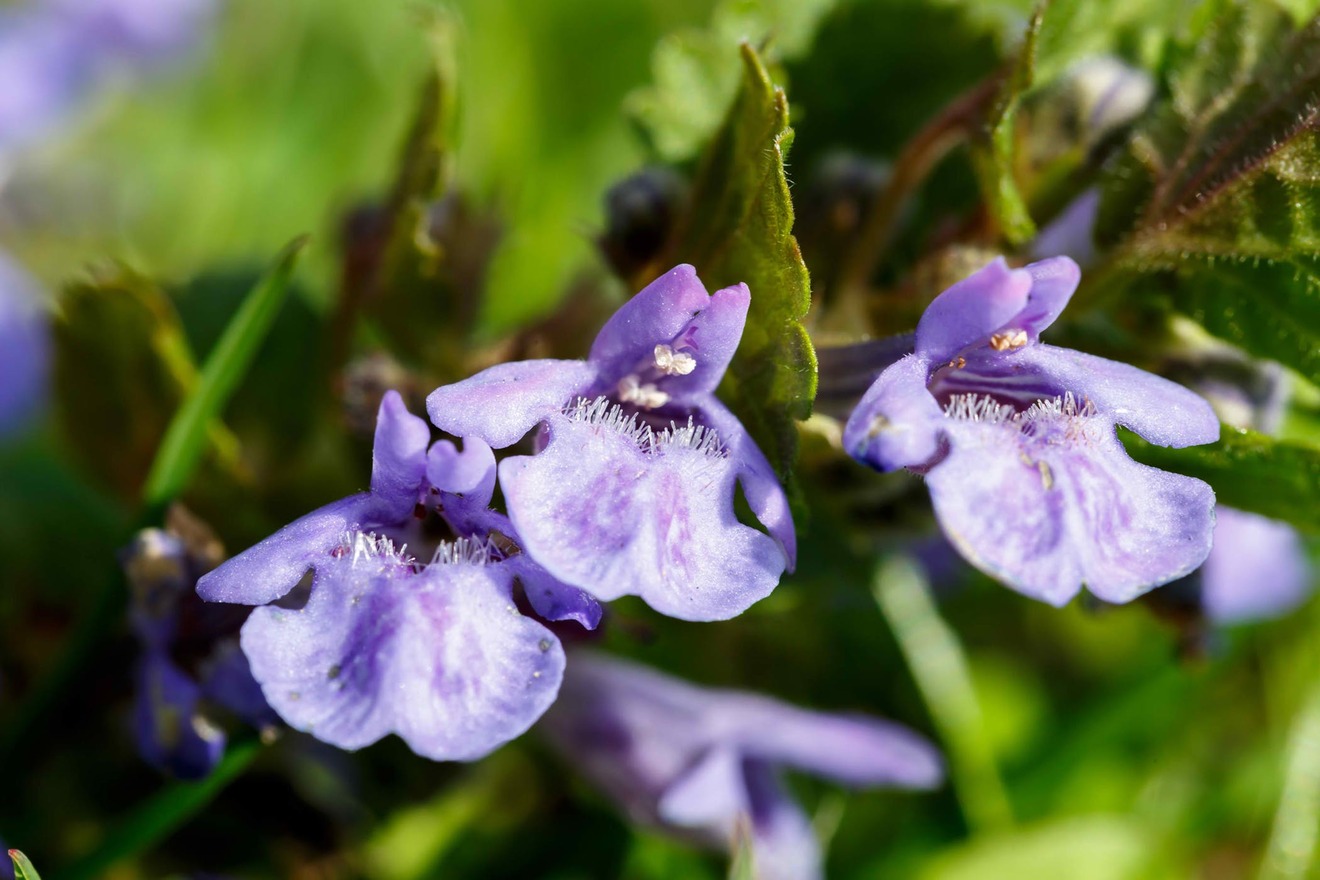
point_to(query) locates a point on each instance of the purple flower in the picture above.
(427, 644)
(174, 714)
(1258, 569)
(24, 347)
(706, 762)
(1018, 444)
(632, 489)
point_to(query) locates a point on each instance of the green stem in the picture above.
(159, 816)
(939, 668)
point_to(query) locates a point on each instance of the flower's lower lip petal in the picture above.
(784, 843)
(553, 600)
(441, 658)
(598, 512)
(164, 726)
(761, 487)
(266, 571)
(1161, 411)
(1048, 517)
(501, 404)
(897, 423)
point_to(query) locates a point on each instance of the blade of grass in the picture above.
(23, 869)
(186, 436)
(1291, 851)
(159, 816)
(939, 667)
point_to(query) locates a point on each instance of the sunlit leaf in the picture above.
(1224, 185)
(739, 228)
(23, 869)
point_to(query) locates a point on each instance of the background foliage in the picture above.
(452, 163)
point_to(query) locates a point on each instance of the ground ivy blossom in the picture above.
(705, 763)
(632, 489)
(427, 643)
(1018, 444)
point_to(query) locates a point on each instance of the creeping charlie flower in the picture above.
(24, 348)
(1018, 444)
(632, 489)
(428, 645)
(705, 763)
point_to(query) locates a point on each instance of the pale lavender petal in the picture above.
(266, 571)
(46, 70)
(439, 657)
(1052, 284)
(1257, 569)
(971, 310)
(136, 31)
(24, 346)
(1163, 412)
(709, 793)
(760, 486)
(601, 511)
(850, 749)
(1073, 231)
(501, 404)
(470, 473)
(658, 313)
(1060, 504)
(784, 844)
(551, 599)
(398, 457)
(897, 423)
(169, 732)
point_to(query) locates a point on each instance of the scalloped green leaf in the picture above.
(1218, 193)
(739, 228)
(1248, 471)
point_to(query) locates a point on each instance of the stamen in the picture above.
(673, 363)
(646, 396)
(1008, 339)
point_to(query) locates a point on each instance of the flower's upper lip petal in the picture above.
(971, 310)
(713, 336)
(267, 570)
(761, 487)
(599, 513)
(897, 423)
(398, 457)
(501, 404)
(850, 749)
(656, 314)
(435, 657)
(470, 473)
(1163, 412)
(1047, 517)
(1257, 569)
(1053, 282)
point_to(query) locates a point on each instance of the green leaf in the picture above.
(160, 815)
(739, 229)
(122, 365)
(23, 869)
(696, 74)
(224, 370)
(1248, 471)
(1218, 194)
(993, 153)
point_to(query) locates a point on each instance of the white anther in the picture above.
(673, 363)
(646, 396)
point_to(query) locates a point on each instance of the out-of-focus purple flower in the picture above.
(1257, 569)
(1018, 444)
(429, 644)
(173, 715)
(6, 863)
(1072, 232)
(705, 762)
(632, 490)
(55, 53)
(24, 346)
